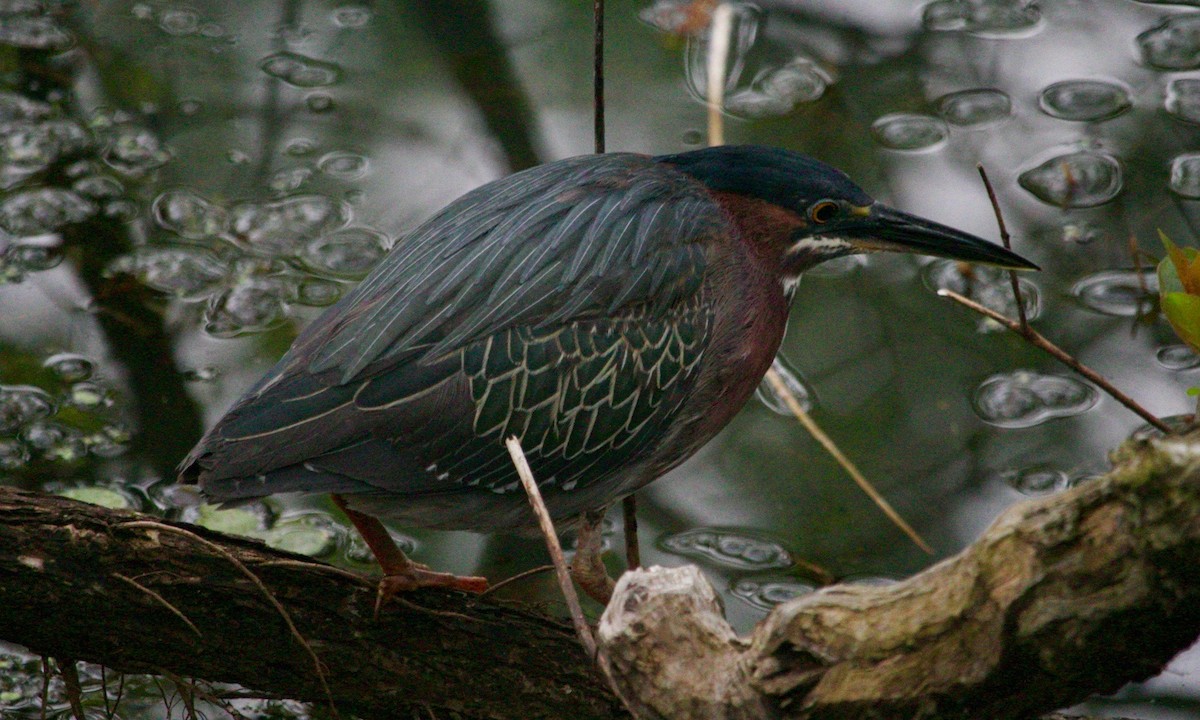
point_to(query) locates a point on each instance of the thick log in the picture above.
(139, 594)
(1063, 597)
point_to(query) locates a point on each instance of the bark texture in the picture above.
(1063, 597)
(134, 594)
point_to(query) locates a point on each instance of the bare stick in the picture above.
(556, 554)
(516, 578)
(813, 429)
(718, 56)
(70, 676)
(176, 611)
(598, 73)
(1007, 240)
(633, 552)
(1039, 341)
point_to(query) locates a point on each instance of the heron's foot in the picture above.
(587, 567)
(415, 575)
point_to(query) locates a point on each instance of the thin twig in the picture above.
(1036, 339)
(633, 551)
(515, 578)
(70, 676)
(717, 61)
(809, 424)
(552, 544)
(287, 618)
(45, 694)
(1007, 240)
(163, 601)
(598, 72)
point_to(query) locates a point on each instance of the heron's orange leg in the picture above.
(400, 573)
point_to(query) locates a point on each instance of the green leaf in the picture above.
(1183, 312)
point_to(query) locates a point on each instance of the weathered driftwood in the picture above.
(1063, 597)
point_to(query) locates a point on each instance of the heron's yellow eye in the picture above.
(823, 211)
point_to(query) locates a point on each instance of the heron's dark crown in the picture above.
(782, 177)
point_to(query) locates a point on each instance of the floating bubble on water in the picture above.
(281, 227)
(768, 396)
(237, 157)
(134, 150)
(88, 395)
(188, 214)
(766, 593)
(299, 70)
(315, 292)
(777, 91)
(729, 548)
(98, 187)
(1185, 175)
(21, 405)
(54, 441)
(15, 106)
(183, 272)
(986, 18)
(290, 180)
(1120, 293)
(1082, 233)
(300, 147)
(14, 454)
(41, 210)
(1024, 398)
(69, 367)
(179, 21)
(1177, 357)
(348, 253)
(319, 102)
(1173, 44)
(251, 305)
(1090, 100)
(352, 17)
(1075, 180)
(1036, 480)
(311, 535)
(28, 147)
(987, 285)
(1183, 99)
(111, 441)
(971, 108)
(34, 32)
(763, 78)
(343, 165)
(33, 257)
(909, 131)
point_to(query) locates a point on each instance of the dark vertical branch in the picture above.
(462, 32)
(1007, 240)
(598, 73)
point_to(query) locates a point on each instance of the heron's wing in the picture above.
(575, 239)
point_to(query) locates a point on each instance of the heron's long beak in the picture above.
(884, 228)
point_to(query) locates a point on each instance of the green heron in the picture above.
(613, 312)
